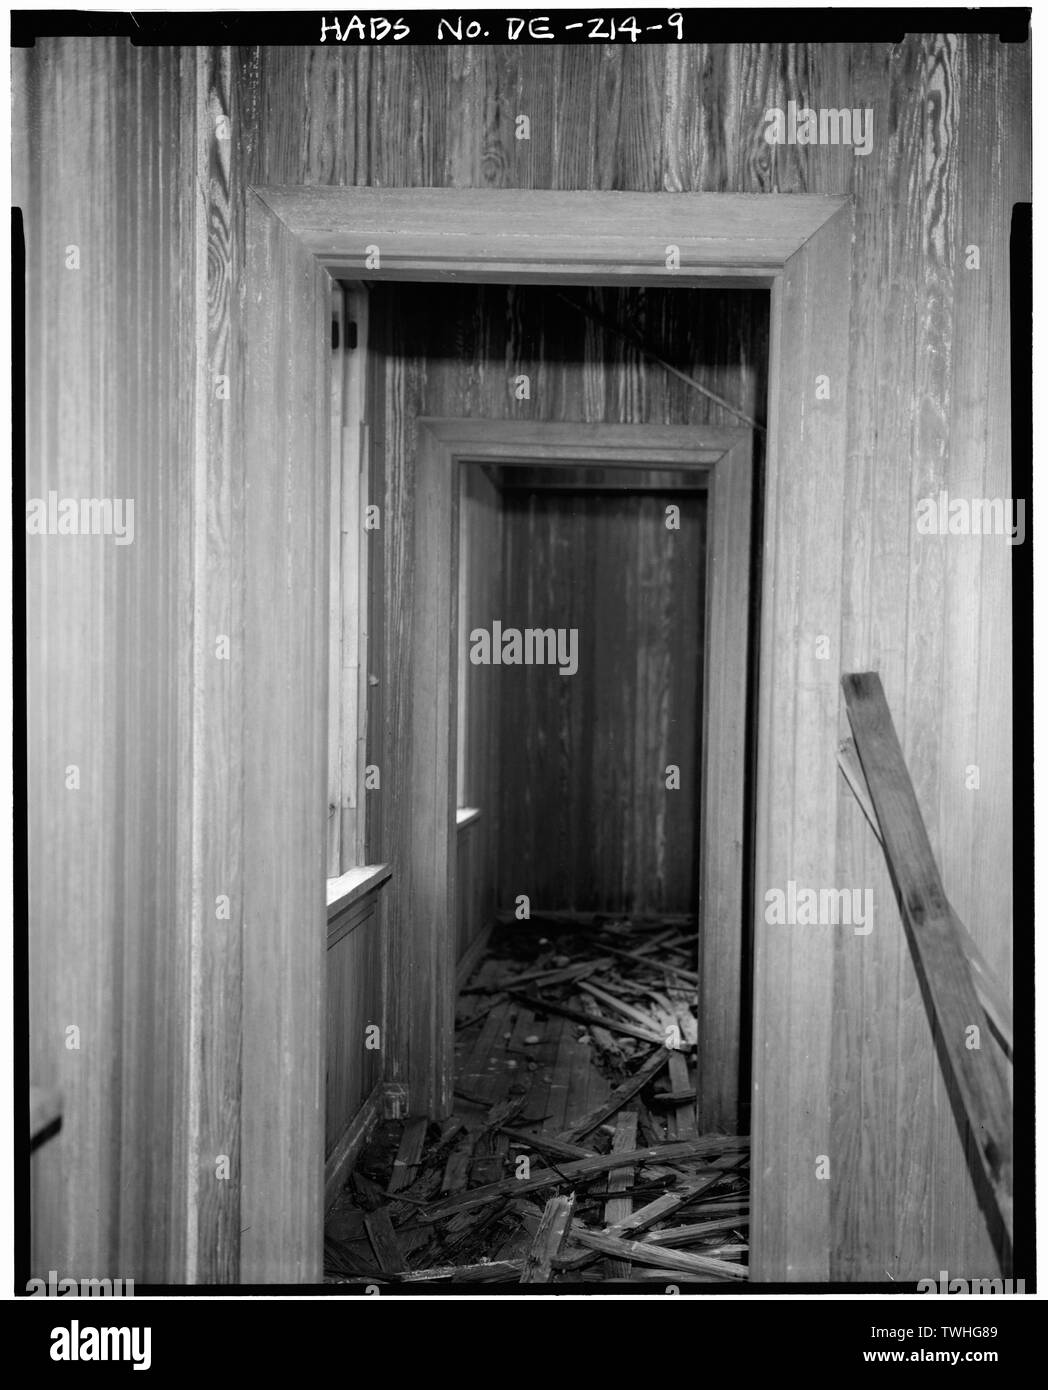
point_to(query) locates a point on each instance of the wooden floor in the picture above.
(478, 1198)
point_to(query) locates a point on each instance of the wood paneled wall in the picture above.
(110, 317)
(587, 820)
(354, 1001)
(111, 143)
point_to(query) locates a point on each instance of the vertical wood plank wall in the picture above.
(109, 647)
(110, 352)
(587, 821)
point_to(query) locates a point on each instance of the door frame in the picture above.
(297, 238)
(724, 457)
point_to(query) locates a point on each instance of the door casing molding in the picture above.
(723, 456)
(800, 247)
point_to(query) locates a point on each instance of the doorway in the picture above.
(797, 245)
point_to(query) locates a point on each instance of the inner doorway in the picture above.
(637, 539)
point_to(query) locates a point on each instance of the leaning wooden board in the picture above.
(938, 954)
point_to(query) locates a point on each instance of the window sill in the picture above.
(356, 884)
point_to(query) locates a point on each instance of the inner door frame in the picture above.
(297, 239)
(724, 458)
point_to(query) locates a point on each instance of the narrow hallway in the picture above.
(575, 1043)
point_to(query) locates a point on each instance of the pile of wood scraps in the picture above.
(574, 1155)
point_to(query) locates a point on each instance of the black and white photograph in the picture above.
(523, 666)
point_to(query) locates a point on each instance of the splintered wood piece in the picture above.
(409, 1153)
(384, 1242)
(613, 1002)
(585, 1168)
(488, 1271)
(952, 1004)
(691, 976)
(617, 1208)
(549, 1237)
(613, 1025)
(685, 1235)
(546, 1143)
(600, 1036)
(456, 1170)
(683, 1095)
(662, 1207)
(618, 1098)
(555, 976)
(674, 1098)
(659, 1255)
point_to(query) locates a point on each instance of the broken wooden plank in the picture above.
(456, 1170)
(388, 1250)
(408, 1154)
(613, 1025)
(992, 997)
(942, 967)
(619, 1096)
(685, 1235)
(601, 1037)
(617, 1208)
(546, 1143)
(662, 1207)
(557, 976)
(613, 1002)
(493, 1271)
(585, 1168)
(691, 976)
(548, 1239)
(683, 1096)
(659, 1255)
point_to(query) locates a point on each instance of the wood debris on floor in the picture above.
(573, 1155)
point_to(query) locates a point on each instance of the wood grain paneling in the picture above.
(107, 648)
(796, 796)
(587, 820)
(285, 347)
(354, 1002)
(109, 158)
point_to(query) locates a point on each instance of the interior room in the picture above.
(532, 799)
